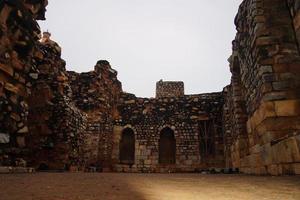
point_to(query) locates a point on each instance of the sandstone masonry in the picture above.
(53, 119)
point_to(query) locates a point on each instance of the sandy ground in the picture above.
(109, 186)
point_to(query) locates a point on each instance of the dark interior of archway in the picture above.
(43, 167)
(167, 147)
(127, 147)
(207, 138)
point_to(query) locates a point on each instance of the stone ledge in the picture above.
(16, 170)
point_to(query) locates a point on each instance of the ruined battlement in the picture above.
(169, 89)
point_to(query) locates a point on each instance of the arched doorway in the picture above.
(43, 167)
(167, 147)
(127, 147)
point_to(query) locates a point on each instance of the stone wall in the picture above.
(169, 89)
(56, 126)
(265, 85)
(55, 119)
(96, 93)
(19, 54)
(196, 121)
(48, 116)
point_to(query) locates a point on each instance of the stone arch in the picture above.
(167, 146)
(168, 126)
(127, 146)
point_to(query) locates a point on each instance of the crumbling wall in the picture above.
(265, 88)
(19, 54)
(96, 93)
(56, 126)
(186, 116)
(65, 109)
(169, 89)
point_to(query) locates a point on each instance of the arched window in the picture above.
(167, 147)
(127, 147)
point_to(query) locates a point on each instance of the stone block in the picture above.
(288, 169)
(296, 168)
(5, 170)
(7, 69)
(20, 170)
(147, 162)
(261, 170)
(266, 154)
(281, 85)
(266, 110)
(273, 96)
(4, 138)
(255, 149)
(274, 170)
(12, 88)
(286, 151)
(21, 141)
(287, 108)
(23, 130)
(245, 161)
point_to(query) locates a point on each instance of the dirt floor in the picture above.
(108, 186)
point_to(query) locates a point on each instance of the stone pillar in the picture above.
(268, 52)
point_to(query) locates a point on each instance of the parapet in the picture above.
(169, 89)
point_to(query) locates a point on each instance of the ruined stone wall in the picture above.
(48, 115)
(96, 93)
(228, 125)
(265, 88)
(56, 126)
(169, 89)
(185, 116)
(19, 54)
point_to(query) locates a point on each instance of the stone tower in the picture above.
(169, 89)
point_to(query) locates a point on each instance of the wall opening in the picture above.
(206, 137)
(167, 147)
(127, 147)
(43, 167)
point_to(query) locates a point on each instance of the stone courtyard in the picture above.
(122, 186)
(172, 146)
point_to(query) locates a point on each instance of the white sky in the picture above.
(148, 40)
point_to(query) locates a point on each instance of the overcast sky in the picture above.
(148, 40)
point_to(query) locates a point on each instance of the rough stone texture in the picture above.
(19, 54)
(263, 103)
(96, 93)
(55, 119)
(197, 124)
(56, 126)
(169, 89)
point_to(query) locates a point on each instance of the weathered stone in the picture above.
(34, 75)
(4, 138)
(7, 69)
(23, 130)
(287, 108)
(169, 89)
